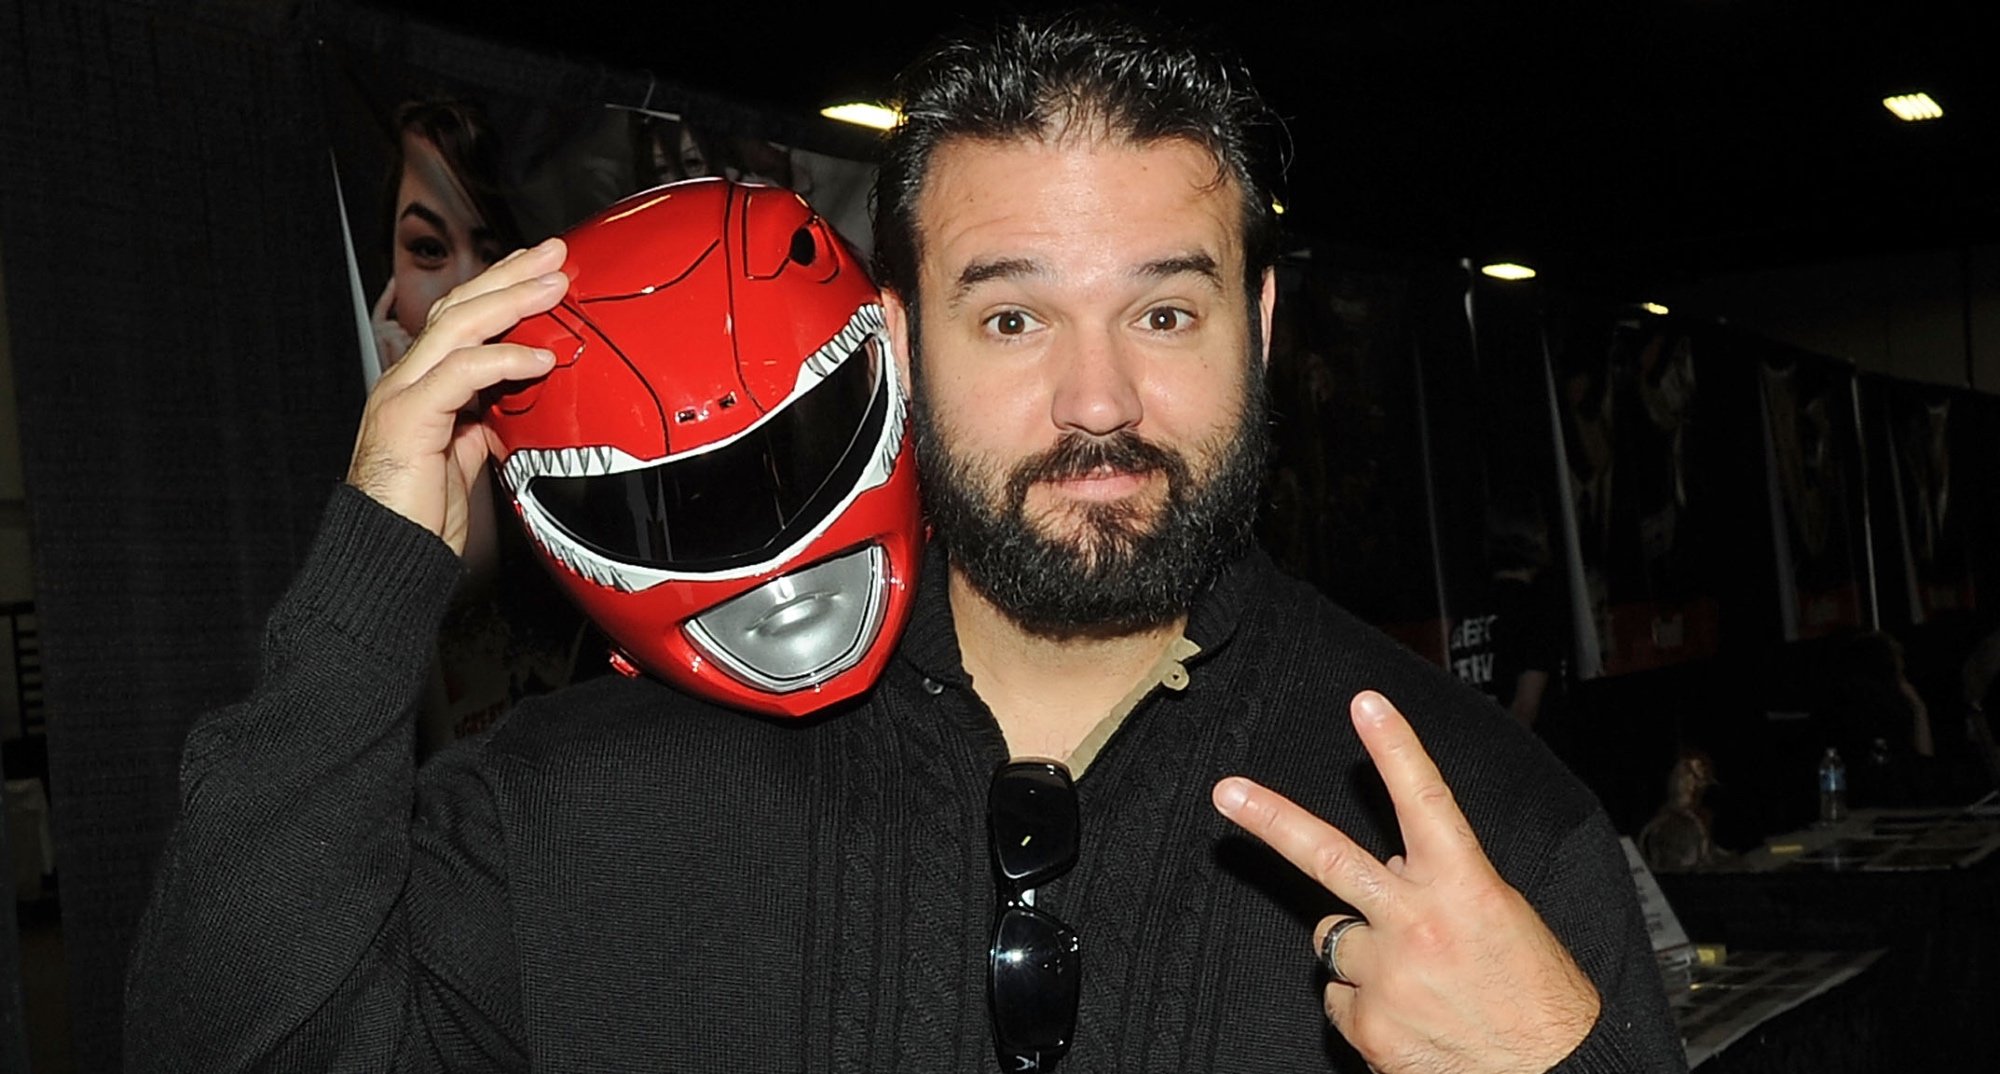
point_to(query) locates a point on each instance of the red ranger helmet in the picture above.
(718, 468)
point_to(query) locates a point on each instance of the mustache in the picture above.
(1080, 455)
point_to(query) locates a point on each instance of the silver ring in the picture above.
(1329, 949)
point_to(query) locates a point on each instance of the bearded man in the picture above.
(1026, 842)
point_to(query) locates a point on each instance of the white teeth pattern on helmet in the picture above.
(867, 321)
(526, 464)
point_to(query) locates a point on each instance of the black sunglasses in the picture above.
(1034, 964)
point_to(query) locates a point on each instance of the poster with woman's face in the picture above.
(437, 179)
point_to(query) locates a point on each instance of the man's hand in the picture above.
(420, 447)
(1453, 970)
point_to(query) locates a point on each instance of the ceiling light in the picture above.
(862, 113)
(1277, 207)
(1507, 270)
(1654, 308)
(1913, 107)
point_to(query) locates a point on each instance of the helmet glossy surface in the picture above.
(718, 469)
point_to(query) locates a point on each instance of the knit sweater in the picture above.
(620, 877)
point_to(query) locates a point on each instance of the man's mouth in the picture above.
(1103, 482)
(1079, 470)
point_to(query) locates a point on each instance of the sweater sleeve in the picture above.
(321, 906)
(1584, 894)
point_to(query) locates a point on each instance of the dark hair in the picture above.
(1041, 77)
(1517, 530)
(1872, 655)
(465, 140)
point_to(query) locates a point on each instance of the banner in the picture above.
(1927, 442)
(1347, 506)
(1816, 492)
(1635, 425)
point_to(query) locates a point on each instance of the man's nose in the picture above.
(1096, 384)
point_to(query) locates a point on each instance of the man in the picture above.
(1075, 242)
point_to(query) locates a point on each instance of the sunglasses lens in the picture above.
(1034, 984)
(1031, 820)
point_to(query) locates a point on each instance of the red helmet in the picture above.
(718, 469)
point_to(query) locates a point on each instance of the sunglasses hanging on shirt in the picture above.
(1034, 960)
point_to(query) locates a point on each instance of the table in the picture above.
(1922, 884)
(1771, 1012)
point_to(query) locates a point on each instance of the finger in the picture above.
(1347, 956)
(1339, 1001)
(1322, 851)
(387, 302)
(391, 343)
(470, 450)
(451, 385)
(519, 266)
(471, 321)
(1434, 830)
(1396, 864)
(509, 271)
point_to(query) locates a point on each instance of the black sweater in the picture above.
(623, 878)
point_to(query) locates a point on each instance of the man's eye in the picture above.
(1010, 322)
(1168, 319)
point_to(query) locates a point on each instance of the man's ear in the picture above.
(897, 313)
(1267, 301)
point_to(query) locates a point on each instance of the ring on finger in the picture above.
(1329, 948)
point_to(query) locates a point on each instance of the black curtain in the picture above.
(183, 358)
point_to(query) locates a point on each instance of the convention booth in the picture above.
(1681, 526)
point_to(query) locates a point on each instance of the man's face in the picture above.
(1089, 414)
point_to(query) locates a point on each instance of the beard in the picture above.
(1121, 566)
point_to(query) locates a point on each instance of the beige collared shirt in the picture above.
(1170, 671)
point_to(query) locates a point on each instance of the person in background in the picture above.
(1976, 677)
(1679, 837)
(1875, 717)
(1529, 625)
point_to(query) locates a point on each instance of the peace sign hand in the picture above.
(1452, 970)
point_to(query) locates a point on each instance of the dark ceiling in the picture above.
(1630, 143)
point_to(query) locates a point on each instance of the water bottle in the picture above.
(1832, 788)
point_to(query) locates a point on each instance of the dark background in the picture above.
(183, 350)
(1631, 143)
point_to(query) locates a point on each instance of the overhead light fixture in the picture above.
(1277, 207)
(1913, 107)
(1507, 270)
(1654, 308)
(863, 114)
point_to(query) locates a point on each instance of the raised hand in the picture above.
(420, 447)
(1450, 968)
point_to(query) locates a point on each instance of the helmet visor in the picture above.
(743, 502)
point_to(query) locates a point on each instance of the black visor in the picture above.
(742, 503)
